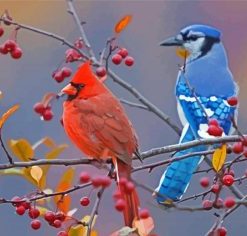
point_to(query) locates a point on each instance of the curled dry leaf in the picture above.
(122, 24)
(7, 114)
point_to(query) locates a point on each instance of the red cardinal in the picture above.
(96, 123)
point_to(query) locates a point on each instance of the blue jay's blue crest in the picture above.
(202, 90)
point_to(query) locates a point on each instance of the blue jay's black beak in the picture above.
(173, 41)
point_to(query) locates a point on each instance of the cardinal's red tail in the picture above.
(128, 192)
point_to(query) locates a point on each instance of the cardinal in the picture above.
(97, 124)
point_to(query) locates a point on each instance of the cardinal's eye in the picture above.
(77, 86)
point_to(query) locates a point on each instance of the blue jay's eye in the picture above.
(193, 37)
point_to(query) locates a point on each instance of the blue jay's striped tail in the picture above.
(176, 178)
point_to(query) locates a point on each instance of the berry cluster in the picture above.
(45, 112)
(61, 74)
(122, 54)
(214, 128)
(11, 46)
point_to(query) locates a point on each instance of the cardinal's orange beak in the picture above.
(69, 90)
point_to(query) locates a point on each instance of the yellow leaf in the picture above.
(144, 226)
(7, 114)
(122, 24)
(47, 141)
(55, 152)
(76, 230)
(22, 149)
(36, 172)
(181, 52)
(219, 157)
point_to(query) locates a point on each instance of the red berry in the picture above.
(117, 194)
(85, 201)
(218, 204)
(228, 180)
(105, 181)
(213, 122)
(27, 205)
(144, 214)
(47, 115)
(221, 231)
(204, 182)
(58, 76)
(123, 52)
(57, 223)
(215, 188)
(129, 61)
(232, 101)
(120, 205)
(3, 49)
(16, 53)
(39, 108)
(72, 55)
(84, 177)
(16, 201)
(229, 202)
(123, 181)
(35, 224)
(101, 71)
(116, 59)
(129, 187)
(66, 72)
(78, 43)
(1, 31)
(207, 204)
(60, 216)
(10, 45)
(20, 210)
(62, 233)
(49, 216)
(215, 130)
(238, 147)
(96, 181)
(33, 213)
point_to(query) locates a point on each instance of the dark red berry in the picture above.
(33, 213)
(1, 31)
(228, 180)
(72, 55)
(232, 101)
(129, 187)
(213, 122)
(39, 108)
(58, 76)
(123, 52)
(238, 147)
(144, 214)
(215, 130)
(27, 205)
(62, 233)
(20, 210)
(35, 224)
(3, 49)
(129, 61)
(123, 181)
(10, 45)
(96, 181)
(221, 231)
(117, 194)
(49, 216)
(215, 188)
(84, 177)
(207, 204)
(105, 181)
(60, 216)
(85, 201)
(101, 71)
(16, 201)
(120, 205)
(204, 182)
(116, 59)
(218, 203)
(16, 53)
(66, 72)
(47, 115)
(229, 202)
(57, 223)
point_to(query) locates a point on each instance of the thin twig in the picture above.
(132, 104)
(5, 149)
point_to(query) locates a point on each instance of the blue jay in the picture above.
(203, 86)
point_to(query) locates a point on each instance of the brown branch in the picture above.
(132, 104)
(5, 149)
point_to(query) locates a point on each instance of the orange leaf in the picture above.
(122, 24)
(144, 226)
(181, 52)
(7, 114)
(219, 157)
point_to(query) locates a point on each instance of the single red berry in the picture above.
(35, 224)
(3, 49)
(117, 194)
(116, 59)
(62, 233)
(101, 71)
(20, 210)
(10, 45)
(58, 76)
(229, 202)
(207, 204)
(105, 181)
(129, 187)
(85, 201)
(129, 61)
(39, 108)
(1, 31)
(215, 188)
(123, 181)
(16, 53)
(60, 216)
(123, 52)
(120, 205)
(215, 130)
(66, 72)
(238, 147)
(228, 180)
(49, 216)
(96, 181)
(78, 43)
(72, 55)
(27, 205)
(47, 115)
(16, 201)
(221, 231)
(33, 213)
(204, 182)
(218, 203)
(232, 101)
(84, 177)
(144, 214)
(57, 223)
(213, 122)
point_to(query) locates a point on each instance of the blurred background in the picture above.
(25, 81)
